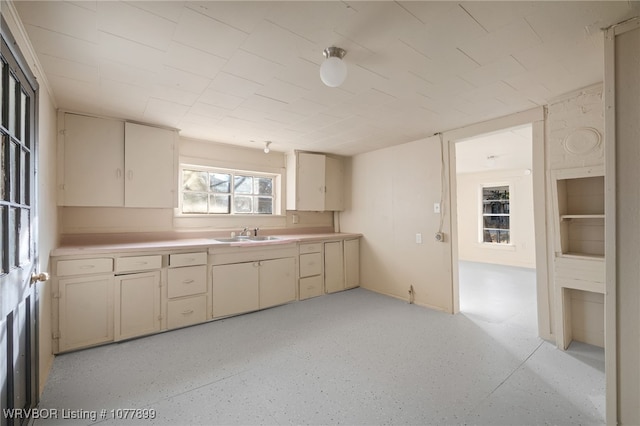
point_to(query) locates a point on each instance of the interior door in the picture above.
(18, 304)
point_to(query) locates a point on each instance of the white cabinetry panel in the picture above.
(235, 288)
(333, 266)
(110, 163)
(85, 311)
(189, 311)
(315, 183)
(149, 165)
(93, 155)
(137, 303)
(277, 282)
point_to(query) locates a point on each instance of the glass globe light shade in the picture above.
(333, 71)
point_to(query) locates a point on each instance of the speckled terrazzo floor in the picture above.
(354, 357)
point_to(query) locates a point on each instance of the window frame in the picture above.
(482, 215)
(276, 193)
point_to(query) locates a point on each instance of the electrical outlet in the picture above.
(436, 207)
(418, 238)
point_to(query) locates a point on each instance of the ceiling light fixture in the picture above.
(333, 71)
(266, 147)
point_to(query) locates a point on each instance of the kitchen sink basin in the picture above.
(239, 239)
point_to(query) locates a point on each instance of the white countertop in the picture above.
(191, 243)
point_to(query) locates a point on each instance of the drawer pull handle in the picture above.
(187, 312)
(141, 263)
(87, 266)
(187, 281)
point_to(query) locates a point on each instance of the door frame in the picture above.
(536, 118)
(29, 297)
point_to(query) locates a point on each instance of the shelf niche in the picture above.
(581, 214)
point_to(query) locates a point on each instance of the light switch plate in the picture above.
(418, 238)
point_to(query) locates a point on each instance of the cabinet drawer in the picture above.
(187, 259)
(310, 287)
(189, 311)
(138, 263)
(84, 266)
(310, 264)
(187, 281)
(310, 248)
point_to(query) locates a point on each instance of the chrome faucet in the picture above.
(255, 231)
(244, 231)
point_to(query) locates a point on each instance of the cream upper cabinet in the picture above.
(110, 163)
(150, 172)
(93, 153)
(314, 182)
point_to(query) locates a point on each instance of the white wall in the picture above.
(392, 195)
(47, 212)
(521, 251)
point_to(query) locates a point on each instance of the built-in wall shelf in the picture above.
(599, 257)
(579, 276)
(581, 216)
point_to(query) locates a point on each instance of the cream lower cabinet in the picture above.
(341, 265)
(245, 279)
(277, 282)
(352, 263)
(235, 289)
(186, 289)
(85, 311)
(311, 278)
(333, 266)
(250, 286)
(137, 304)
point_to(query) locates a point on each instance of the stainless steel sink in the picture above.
(263, 238)
(238, 239)
(232, 239)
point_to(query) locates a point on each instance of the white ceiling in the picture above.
(237, 72)
(509, 149)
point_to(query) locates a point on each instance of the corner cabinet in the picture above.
(110, 163)
(314, 182)
(579, 272)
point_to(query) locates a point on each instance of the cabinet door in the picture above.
(277, 281)
(234, 288)
(150, 166)
(333, 267)
(137, 304)
(310, 183)
(352, 263)
(334, 176)
(85, 311)
(93, 162)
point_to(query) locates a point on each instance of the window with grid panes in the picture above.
(211, 191)
(495, 215)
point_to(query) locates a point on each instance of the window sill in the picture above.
(496, 246)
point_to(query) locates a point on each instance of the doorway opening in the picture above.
(495, 223)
